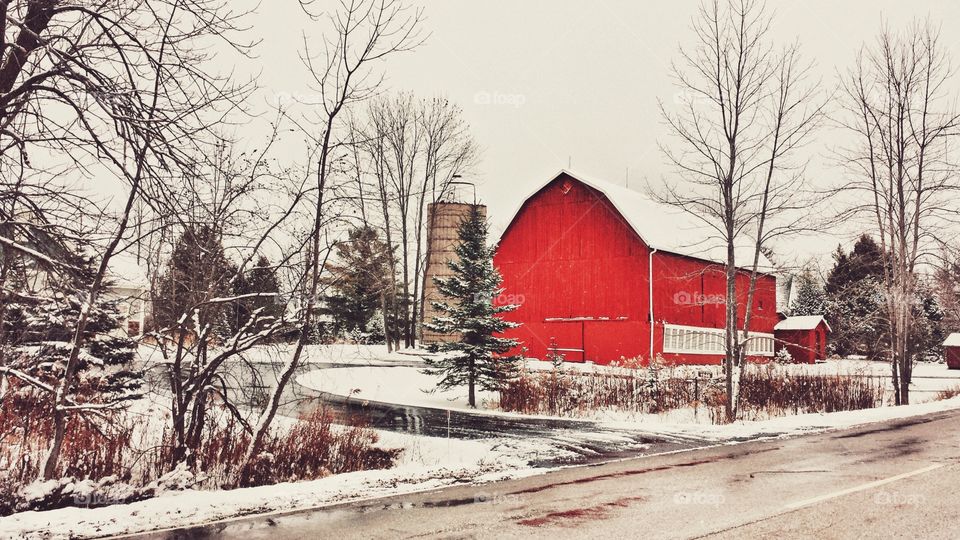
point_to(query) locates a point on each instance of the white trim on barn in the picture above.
(953, 340)
(680, 339)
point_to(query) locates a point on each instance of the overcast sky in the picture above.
(544, 84)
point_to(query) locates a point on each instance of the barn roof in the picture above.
(953, 340)
(664, 227)
(804, 322)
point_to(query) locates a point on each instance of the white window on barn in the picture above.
(679, 339)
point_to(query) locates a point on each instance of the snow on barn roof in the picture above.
(953, 340)
(664, 227)
(804, 322)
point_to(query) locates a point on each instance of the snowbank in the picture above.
(427, 463)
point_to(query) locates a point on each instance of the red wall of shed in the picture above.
(952, 355)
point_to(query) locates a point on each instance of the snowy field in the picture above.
(386, 382)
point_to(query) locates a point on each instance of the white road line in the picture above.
(862, 487)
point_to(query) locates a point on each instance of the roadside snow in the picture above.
(784, 425)
(427, 463)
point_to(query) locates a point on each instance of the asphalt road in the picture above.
(899, 479)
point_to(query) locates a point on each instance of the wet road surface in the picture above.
(894, 479)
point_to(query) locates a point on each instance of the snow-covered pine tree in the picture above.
(36, 338)
(811, 298)
(475, 358)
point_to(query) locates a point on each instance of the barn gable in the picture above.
(659, 226)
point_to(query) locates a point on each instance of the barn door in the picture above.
(605, 341)
(567, 337)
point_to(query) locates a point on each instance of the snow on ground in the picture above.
(339, 353)
(427, 463)
(430, 462)
(406, 385)
(391, 384)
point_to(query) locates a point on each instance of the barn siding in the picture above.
(570, 254)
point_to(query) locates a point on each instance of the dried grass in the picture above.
(311, 447)
(766, 392)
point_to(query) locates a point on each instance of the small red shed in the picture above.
(804, 337)
(951, 351)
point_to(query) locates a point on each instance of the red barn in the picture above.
(951, 351)
(601, 272)
(805, 338)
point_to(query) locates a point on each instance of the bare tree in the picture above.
(115, 86)
(902, 120)
(744, 111)
(364, 32)
(413, 150)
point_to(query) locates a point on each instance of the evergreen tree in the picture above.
(474, 358)
(360, 287)
(928, 331)
(261, 279)
(198, 271)
(865, 261)
(857, 315)
(37, 334)
(811, 298)
(947, 283)
(856, 310)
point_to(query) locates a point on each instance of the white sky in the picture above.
(547, 82)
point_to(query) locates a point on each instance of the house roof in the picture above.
(953, 340)
(804, 322)
(662, 226)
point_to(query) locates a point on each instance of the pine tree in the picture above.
(475, 358)
(360, 287)
(261, 279)
(856, 310)
(947, 283)
(811, 298)
(198, 271)
(865, 261)
(37, 334)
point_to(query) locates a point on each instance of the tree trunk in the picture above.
(471, 383)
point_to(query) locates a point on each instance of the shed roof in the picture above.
(953, 340)
(664, 227)
(802, 322)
